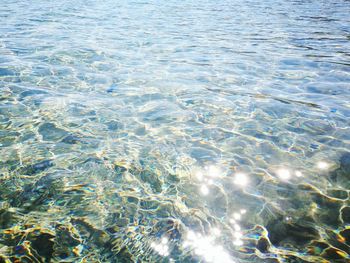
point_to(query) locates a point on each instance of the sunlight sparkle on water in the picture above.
(214, 171)
(204, 190)
(284, 174)
(161, 248)
(240, 179)
(207, 248)
(199, 175)
(207, 177)
(237, 216)
(322, 165)
(216, 231)
(298, 174)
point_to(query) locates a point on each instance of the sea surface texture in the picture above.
(175, 131)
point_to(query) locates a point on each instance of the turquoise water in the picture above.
(175, 131)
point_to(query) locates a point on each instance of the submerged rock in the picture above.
(4, 72)
(341, 175)
(72, 139)
(119, 168)
(50, 132)
(10, 165)
(32, 92)
(114, 125)
(345, 214)
(35, 244)
(88, 231)
(263, 245)
(112, 88)
(152, 179)
(328, 209)
(345, 234)
(7, 217)
(338, 194)
(67, 242)
(36, 196)
(37, 167)
(282, 233)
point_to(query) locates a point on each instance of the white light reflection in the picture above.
(214, 171)
(207, 177)
(322, 165)
(216, 231)
(199, 176)
(204, 190)
(240, 179)
(237, 216)
(284, 174)
(165, 240)
(206, 247)
(161, 248)
(238, 242)
(298, 174)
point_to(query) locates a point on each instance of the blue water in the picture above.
(175, 131)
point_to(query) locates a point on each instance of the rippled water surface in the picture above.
(175, 131)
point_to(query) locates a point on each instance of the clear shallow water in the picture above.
(190, 131)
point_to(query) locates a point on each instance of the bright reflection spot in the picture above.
(322, 165)
(206, 247)
(204, 190)
(214, 171)
(216, 231)
(210, 181)
(238, 242)
(298, 174)
(284, 174)
(207, 177)
(164, 240)
(199, 175)
(237, 227)
(161, 248)
(240, 179)
(191, 235)
(237, 216)
(238, 235)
